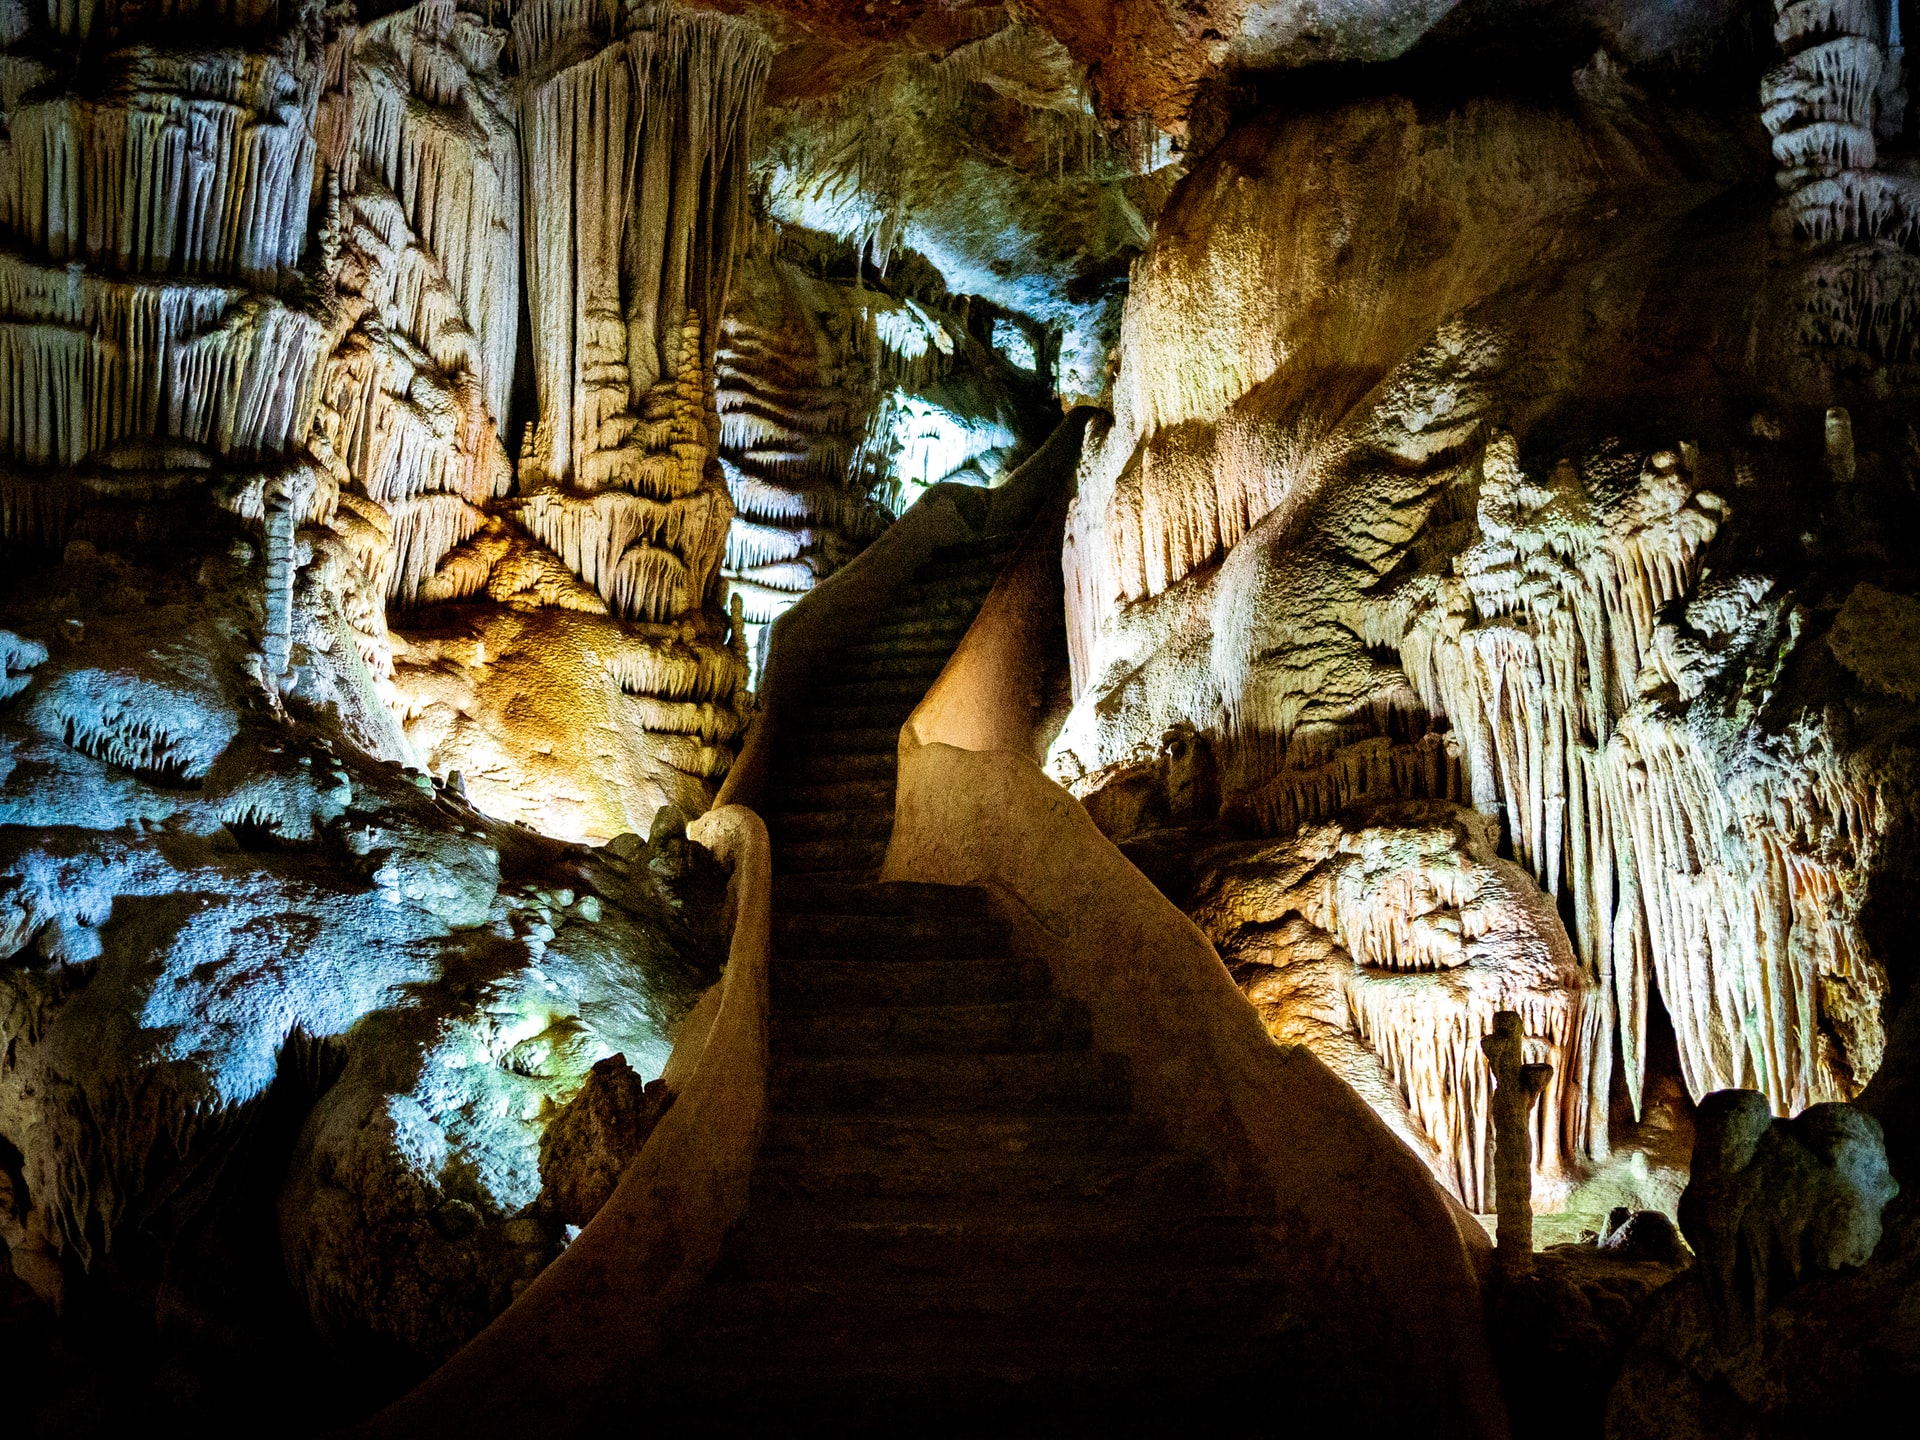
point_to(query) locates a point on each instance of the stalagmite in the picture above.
(1517, 1087)
(280, 522)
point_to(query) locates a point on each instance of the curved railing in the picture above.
(566, 1355)
(1385, 1278)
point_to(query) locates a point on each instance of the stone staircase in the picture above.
(957, 1224)
(829, 809)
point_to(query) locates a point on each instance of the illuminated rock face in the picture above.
(1385, 947)
(537, 707)
(216, 909)
(274, 289)
(1394, 512)
(841, 396)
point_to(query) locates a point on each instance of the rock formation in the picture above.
(1409, 569)
(215, 896)
(1387, 950)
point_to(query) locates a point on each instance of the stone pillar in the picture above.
(1516, 1086)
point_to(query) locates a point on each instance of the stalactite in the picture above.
(87, 361)
(649, 559)
(1427, 768)
(425, 528)
(402, 403)
(180, 163)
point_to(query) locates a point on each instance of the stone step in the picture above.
(840, 984)
(952, 562)
(854, 875)
(896, 897)
(889, 937)
(800, 747)
(862, 857)
(1226, 1390)
(1009, 1026)
(849, 663)
(1049, 1083)
(795, 825)
(852, 1238)
(791, 1136)
(811, 720)
(944, 576)
(838, 694)
(1097, 1158)
(831, 795)
(929, 628)
(955, 599)
(1064, 1319)
(836, 767)
(922, 667)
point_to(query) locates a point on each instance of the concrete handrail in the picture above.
(1379, 1255)
(567, 1354)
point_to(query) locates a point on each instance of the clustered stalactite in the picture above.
(1839, 95)
(1549, 681)
(153, 345)
(1727, 897)
(287, 273)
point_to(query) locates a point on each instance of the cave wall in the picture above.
(275, 1000)
(1486, 593)
(1521, 458)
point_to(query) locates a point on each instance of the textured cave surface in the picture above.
(1486, 583)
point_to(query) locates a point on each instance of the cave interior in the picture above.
(959, 717)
